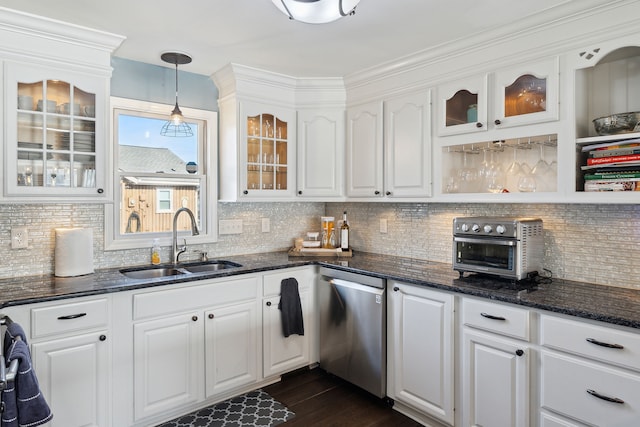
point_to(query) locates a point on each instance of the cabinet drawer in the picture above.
(498, 318)
(594, 341)
(568, 381)
(271, 282)
(69, 317)
(159, 303)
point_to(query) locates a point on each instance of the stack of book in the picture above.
(612, 166)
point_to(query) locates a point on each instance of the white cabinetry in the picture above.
(420, 349)
(495, 364)
(55, 111)
(389, 148)
(192, 343)
(321, 137)
(525, 94)
(600, 369)
(70, 350)
(285, 354)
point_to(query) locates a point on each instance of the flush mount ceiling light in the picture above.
(316, 11)
(176, 125)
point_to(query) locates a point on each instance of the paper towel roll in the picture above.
(74, 252)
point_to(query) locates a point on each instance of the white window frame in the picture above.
(160, 209)
(209, 190)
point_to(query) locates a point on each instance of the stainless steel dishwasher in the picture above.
(353, 328)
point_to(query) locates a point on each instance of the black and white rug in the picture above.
(255, 408)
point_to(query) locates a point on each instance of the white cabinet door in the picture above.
(285, 354)
(267, 152)
(495, 379)
(462, 106)
(420, 349)
(231, 347)
(408, 146)
(167, 363)
(364, 157)
(74, 375)
(320, 153)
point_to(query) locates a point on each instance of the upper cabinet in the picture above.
(55, 109)
(389, 148)
(515, 96)
(281, 138)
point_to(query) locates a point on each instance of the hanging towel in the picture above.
(23, 403)
(290, 308)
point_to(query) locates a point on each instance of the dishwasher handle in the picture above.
(357, 286)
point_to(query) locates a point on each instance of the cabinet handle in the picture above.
(211, 316)
(194, 318)
(72, 316)
(519, 352)
(396, 289)
(300, 192)
(497, 122)
(388, 193)
(268, 303)
(376, 192)
(245, 192)
(100, 191)
(478, 125)
(604, 344)
(603, 397)
(492, 317)
(102, 338)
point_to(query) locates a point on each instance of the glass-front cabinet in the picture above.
(55, 143)
(267, 152)
(511, 97)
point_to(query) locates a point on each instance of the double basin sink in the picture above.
(155, 272)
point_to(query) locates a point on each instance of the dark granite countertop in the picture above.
(613, 305)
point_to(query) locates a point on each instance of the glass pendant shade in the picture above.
(316, 11)
(176, 126)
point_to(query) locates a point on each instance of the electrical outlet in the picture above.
(230, 226)
(266, 225)
(383, 225)
(19, 238)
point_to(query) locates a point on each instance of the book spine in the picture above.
(612, 176)
(611, 186)
(613, 159)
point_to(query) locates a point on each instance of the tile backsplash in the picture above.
(588, 243)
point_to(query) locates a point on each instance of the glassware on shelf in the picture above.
(468, 174)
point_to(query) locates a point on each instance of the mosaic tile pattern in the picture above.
(255, 408)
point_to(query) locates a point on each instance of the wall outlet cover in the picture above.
(230, 226)
(266, 225)
(19, 238)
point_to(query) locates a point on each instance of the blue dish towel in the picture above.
(290, 308)
(24, 404)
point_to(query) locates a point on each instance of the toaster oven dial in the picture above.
(475, 227)
(464, 227)
(500, 229)
(488, 229)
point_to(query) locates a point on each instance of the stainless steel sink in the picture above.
(152, 272)
(179, 270)
(209, 266)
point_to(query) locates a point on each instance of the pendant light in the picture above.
(316, 11)
(176, 126)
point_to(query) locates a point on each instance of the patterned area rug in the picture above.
(255, 408)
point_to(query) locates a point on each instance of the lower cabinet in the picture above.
(495, 368)
(186, 357)
(420, 349)
(70, 351)
(282, 354)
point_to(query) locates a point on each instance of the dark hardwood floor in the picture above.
(321, 399)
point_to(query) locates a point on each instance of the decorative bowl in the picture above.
(617, 123)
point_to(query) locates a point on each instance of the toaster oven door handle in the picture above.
(501, 242)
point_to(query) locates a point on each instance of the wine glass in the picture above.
(495, 176)
(540, 171)
(468, 175)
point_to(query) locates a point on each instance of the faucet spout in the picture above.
(175, 250)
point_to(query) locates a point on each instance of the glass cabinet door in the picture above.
(527, 94)
(51, 130)
(266, 163)
(462, 106)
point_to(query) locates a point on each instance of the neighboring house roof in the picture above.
(133, 158)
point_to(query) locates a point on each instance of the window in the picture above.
(154, 176)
